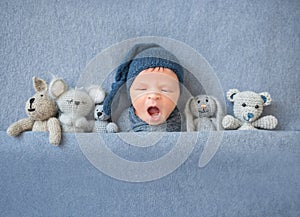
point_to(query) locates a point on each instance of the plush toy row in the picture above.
(74, 105)
(204, 112)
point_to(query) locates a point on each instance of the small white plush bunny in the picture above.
(74, 106)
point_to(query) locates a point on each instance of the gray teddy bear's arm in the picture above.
(230, 123)
(20, 126)
(268, 122)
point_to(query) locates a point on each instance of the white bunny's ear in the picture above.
(57, 87)
(39, 84)
(96, 93)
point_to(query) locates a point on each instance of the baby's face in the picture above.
(154, 94)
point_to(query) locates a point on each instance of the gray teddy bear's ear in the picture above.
(266, 98)
(57, 87)
(231, 93)
(39, 84)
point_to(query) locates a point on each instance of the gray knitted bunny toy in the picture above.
(203, 113)
(247, 108)
(41, 110)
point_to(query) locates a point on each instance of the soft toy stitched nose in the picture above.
(77, 102)
(99, 114)
(250, 115)
(31, 100)
(203, 106)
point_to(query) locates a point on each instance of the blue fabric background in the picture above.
(251, 45)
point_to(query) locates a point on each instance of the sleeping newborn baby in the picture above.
(152, 76)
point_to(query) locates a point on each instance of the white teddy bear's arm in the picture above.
(230, 123)
(268, 122)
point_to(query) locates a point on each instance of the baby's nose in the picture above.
(153, 95)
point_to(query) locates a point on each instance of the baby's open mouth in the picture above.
(153, 111)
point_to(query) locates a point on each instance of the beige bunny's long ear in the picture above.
(219, 113)
(191, 113)
(57, 87)
(39, 84)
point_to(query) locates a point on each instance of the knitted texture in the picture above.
(247, 108)
(139, 58)
(101, 125)
(203, 113)
(74, 105)
(41, 110)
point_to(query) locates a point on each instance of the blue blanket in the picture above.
(250, 45)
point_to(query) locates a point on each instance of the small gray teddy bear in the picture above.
(102, 125)
(203, 113)
(247, 108)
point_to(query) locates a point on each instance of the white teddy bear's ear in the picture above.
(57, 87)
(231, 93)
(266, 98)
(39, 84)
(96, 93)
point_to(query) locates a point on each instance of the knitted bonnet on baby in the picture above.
(139, 58)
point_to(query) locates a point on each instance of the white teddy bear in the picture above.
(74, 106)
(247, 108)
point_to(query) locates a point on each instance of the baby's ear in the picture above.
(231, 93)
(266, 98)
(57, 87)
(96, 93)
(39, 84)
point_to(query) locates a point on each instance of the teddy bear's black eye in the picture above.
(206, 100)
(244, 105)
(257, 106)
(42, 95)
(198, 101)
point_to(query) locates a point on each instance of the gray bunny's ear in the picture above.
(219, 113)
(39, 84)
(57, 87)
(191, 113)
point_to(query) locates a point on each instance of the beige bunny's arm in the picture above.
(20, 126)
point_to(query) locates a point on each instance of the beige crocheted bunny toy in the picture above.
(41, 110)
(247, 108)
